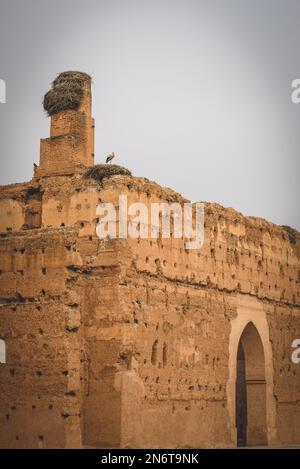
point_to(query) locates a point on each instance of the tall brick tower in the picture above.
(70, 147)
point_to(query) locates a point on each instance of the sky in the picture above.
(193, 94)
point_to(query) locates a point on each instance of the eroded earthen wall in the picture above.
(40, 323)
(147, 348)
(168, 336)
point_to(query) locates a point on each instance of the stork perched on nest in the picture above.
(110, 157)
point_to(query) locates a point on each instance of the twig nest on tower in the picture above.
(100, 171)
(66, 93)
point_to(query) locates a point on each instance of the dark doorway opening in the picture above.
(251, 421)
(241, 398)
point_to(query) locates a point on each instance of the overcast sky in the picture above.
(194, 94)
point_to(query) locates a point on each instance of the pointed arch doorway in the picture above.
(251, 412)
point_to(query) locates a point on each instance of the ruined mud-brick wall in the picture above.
(174, 322)
(126, 342)
(37, 320)
(48, 267)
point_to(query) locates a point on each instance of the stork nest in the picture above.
(101, 171)
(66, 93)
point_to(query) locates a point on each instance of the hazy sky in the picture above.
(194, 94)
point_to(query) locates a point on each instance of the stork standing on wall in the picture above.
(110, 157)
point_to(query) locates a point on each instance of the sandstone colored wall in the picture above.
(20, 207)
(138, 335)
(181, 304)
(39, 321)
